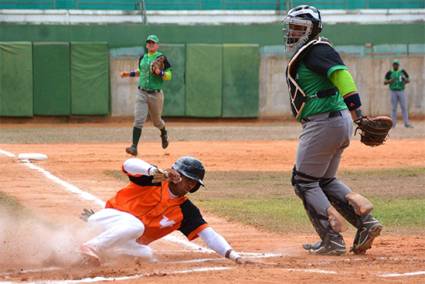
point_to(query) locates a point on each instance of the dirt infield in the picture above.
(84, 166)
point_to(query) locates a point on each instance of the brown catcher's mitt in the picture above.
(374, 130)
(157, 66)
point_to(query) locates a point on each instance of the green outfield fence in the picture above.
(56, 78)
(73, 78)
(277, 5)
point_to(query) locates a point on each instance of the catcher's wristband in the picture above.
(132, 74)
(353, 101)
(231, 254)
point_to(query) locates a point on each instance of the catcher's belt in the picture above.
(322, 115)
(297, 95)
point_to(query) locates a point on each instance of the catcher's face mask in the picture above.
(296, 32)
(302, 24)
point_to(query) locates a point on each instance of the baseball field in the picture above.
(248, 199)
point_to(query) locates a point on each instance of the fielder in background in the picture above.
(153, 69)
(151, 206)
(397, 79)
(325, 100)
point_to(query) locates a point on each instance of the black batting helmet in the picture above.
(191, 168)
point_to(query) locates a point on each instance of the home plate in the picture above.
(32, 156)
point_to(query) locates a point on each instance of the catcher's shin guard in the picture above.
(347, 204)
(346, 210)
(325, 225)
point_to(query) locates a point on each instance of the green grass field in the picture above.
(266, 199)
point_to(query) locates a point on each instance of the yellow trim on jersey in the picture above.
(343, 80)
(167, 75)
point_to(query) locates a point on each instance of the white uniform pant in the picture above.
(120, 232)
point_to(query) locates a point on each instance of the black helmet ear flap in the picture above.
(195, 189)
(191, 168)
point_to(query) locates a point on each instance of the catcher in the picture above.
(153, 70)
(151, 206)
(322, 96)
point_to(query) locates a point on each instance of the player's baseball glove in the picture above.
(374, 130)
(157, 66)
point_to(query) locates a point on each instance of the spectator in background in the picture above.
(396, 79)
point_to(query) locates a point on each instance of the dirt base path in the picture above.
(54, 247)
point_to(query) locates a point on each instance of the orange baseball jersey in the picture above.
(161, 214)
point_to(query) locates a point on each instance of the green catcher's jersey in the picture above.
(312, 75)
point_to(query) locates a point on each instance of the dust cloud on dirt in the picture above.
(28, 242)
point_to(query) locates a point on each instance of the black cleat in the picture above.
(164, 138)
(332, 246)
(132, 150)
(365, 236)
(315, 245)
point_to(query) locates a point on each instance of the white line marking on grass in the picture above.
(415, 273)
(6, 153)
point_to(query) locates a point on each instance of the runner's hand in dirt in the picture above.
(241, 260)
(86, 214)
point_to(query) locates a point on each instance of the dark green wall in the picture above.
(262, 34)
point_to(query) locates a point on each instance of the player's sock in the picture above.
(137, 132)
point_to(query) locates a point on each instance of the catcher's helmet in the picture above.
(302, 24)
(191, 168)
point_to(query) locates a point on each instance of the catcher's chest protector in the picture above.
(297, 95)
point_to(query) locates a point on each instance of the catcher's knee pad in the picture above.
(361, 205)
(336, 221)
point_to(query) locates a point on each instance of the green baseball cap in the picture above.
(396, 61)
(153, 38)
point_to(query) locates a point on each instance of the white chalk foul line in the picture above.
(320, 271)
(250, 255)
(7, 154)
(415, 273)
(130, 277)
(69, 187)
